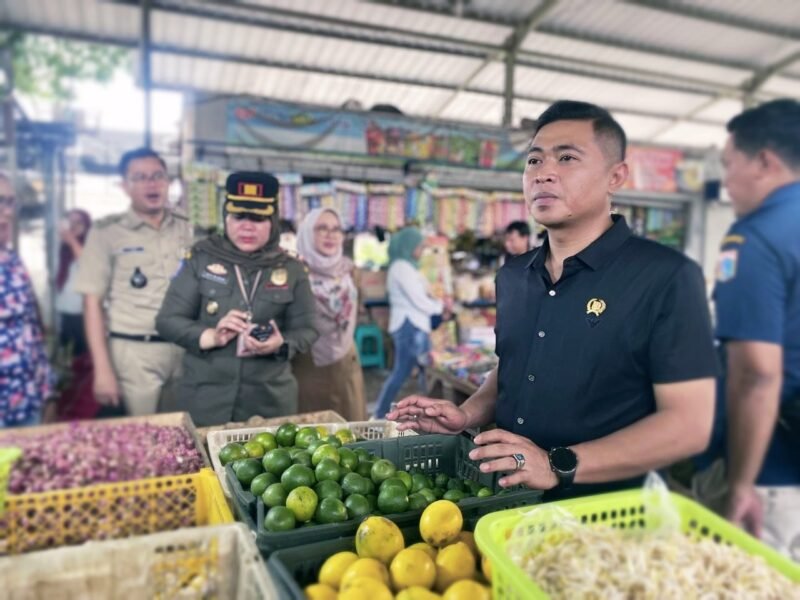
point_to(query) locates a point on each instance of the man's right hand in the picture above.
(428, 415)
(106, 388)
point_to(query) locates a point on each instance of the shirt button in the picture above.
(531, 378)
(541, 334)
(552, 292)
(520, 420)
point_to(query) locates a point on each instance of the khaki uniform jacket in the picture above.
(119, 244)
(217, 386)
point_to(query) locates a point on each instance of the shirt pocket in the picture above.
(218, 297)
(272, 304)
(125, 265)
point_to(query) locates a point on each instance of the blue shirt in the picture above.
(757, 298)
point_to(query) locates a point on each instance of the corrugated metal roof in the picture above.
(76, 16)
(478, 108)
(783, 86)
(693, 134)
(723, 110)
(779, 13)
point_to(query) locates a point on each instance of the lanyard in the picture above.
(248, 298)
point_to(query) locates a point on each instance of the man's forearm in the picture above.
(480, 407)
(752, 405)
(96, 332)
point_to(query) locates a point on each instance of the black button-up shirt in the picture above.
(579, 357)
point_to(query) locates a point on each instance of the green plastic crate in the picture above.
(619, 509)
(429, 453)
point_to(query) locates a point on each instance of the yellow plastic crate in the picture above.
(115, 510)
(192, 564)
(619, 509)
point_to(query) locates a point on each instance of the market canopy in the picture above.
(672, 71)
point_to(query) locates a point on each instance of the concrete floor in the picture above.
(373, 382)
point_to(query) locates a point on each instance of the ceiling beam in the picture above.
(753, 85)
(700, 13)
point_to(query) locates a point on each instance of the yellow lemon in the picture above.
(412, 567)
(454, 562)
(365, 588)
(441, 523)
(486, 567)
(467, 590)
(320, 591)
(364, 567)
(427, 548)
(378, 537)
(469, 539)
(417, 593)
(333, 568)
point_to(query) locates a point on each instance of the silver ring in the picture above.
(520, 460)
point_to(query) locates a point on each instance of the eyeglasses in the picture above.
(157, 177)
(325, 230)
(8, 201)
(250, 217)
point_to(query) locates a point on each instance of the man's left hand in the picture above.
(746, 510)
(501, 445)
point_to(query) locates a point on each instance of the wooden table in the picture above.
(443, 384)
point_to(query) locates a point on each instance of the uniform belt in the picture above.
(137, 338)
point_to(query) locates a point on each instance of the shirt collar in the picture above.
(134, 221)
(596, 254)
(785, 193)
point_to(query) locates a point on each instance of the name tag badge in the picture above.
(215, 278)
(131, 250)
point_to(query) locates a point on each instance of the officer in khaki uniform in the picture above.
(123, 273)
(231, 284)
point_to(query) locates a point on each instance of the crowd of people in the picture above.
(607, 366)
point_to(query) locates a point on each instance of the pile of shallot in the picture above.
(86, 453)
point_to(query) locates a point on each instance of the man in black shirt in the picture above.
(606, 360)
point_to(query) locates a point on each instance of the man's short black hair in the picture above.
(521, 227)
(132, 155)
(772, 126)
(608, 132)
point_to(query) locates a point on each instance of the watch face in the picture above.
(563, 459)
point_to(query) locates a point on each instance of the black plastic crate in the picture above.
(430, 453)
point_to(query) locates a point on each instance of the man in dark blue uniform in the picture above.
(606, 361)
(757, 298)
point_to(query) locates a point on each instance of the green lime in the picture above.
(261, 483)
(254, 449)
(266, 439)
(438, 492)
(418, 481)
(382, 470)
(393, 482)
(305, 436)
(353, 483)
(302, 501)
(325, 451)
(328, 469)
(286, 434)
(328, 489)
(441, 480)
(414, 471)
(246, 470)
(472, 486)
(345, 436)
(279, 518)
(429, 495)
(357, 506)
(301, 457)
(373, 502)
(331, 510)
(348, 459)
(484, 492)
(296, 476)
(232, 452)
(275, 495)
(417, 501)
(392, 500)
(364, 468)
(312, 447)
(277, 461)
(455, 484)
(405, 478)
(454, 495)
(364, 456)
(332, 440)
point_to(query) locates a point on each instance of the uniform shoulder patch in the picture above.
(732, 239)
(726, 265)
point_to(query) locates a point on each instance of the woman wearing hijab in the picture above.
(69, 303)
(330, 378)
(411, 309)
(242, 309)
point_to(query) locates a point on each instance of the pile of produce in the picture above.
(305, 476)
(447, 561)
(86, 453)
(589, 562)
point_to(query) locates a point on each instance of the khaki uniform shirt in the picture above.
(115, 248)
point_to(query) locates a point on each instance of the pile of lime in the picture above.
(305, 476)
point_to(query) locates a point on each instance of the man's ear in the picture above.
(619, 175)
(771, 163)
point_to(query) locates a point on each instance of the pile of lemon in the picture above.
(445, 565)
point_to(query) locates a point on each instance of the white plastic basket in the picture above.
(204, 562)
(363, 430)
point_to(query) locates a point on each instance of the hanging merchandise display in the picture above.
(202, 194)
(289, 195)
(387, 205)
